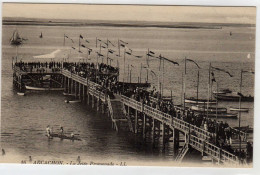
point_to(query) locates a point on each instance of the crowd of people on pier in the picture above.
(107, 77)
(39, 67)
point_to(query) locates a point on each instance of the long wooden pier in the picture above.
(134, 116)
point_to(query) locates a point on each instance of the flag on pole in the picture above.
(73, 48)
(173, 62)
(149, 55)
(249, 71)
(103, 46)
(122, 45)
(83, 46)
(123, 42)
(81, 36)
(72, 40)
(222, 70)
(111, 43)
(193, 62)
(66, 36)
(128, 53)
(87, 41)
(151, 52)
(138, 56)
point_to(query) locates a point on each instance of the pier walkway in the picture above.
(119, 107)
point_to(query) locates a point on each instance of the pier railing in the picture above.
(198, 142)
(92, 85)
(166, 118)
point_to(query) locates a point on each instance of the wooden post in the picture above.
(136, 121)
(176, 138)
(68, 85)
(76, 93)
(163, 133)
(144, 125)
(83, 92)
(153, 130)
(80, 91)
(93, 101)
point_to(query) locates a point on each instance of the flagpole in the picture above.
(163, 78)
(128, 76)
(118, 47)
(159, 88)
(124, 72)
(184, 86)
(107, 51)
(64, 40)
(131, 75)
(100, 48)
(79, 43)
(239, 114)
(198, 86)
(96, 42)
(208, 90)
(141, 73)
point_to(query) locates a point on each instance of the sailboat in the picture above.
(41, 35)
(16, 39)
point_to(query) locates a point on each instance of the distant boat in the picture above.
(43, 88)
(193, 100)
(224, 91)
(16, 39)
(40, 35)
(241, 109)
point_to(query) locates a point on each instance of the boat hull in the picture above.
(200, 101)
(43, 89)
(225, 97)
(241, 109)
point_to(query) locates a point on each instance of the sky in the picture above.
(132, 12)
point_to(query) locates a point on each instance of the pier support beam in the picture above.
(144, 126)
(136, 121)
(176, 140)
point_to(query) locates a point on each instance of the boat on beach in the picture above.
(239, 109)
(21, 93)
(193, 100)
(42, 88)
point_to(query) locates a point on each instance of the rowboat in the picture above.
(233, 97)
(210, 109)
(224, 91)
(52, 135)
(223, 115)
(199, 101)
(237, 109)
(43, 88)
(72, 101)
(21, 93)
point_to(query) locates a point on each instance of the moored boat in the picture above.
(199, 101)
(43, 88)
(224, 91)
(239, 109)
(233, 97)
(210, 109)
(223, 115)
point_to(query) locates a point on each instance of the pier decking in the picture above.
(128, 114)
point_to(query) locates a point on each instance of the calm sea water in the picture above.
(24, 118)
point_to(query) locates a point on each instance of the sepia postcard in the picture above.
(128, 85)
